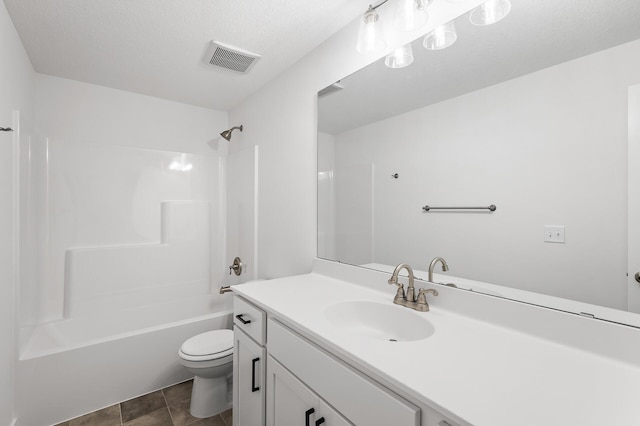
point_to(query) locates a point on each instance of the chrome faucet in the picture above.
(400, 296)
(410, 300)
(433, 264)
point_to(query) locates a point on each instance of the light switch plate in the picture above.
(554, 234)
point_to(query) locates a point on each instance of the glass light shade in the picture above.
(490, 12)
(410, 14)
(441, 37)
(400, 58)
(369, 35)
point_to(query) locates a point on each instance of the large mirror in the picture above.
(531, 115)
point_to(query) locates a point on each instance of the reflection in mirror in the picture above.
(530, 114)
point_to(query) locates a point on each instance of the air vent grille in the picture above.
(229, 57)
(335, 87)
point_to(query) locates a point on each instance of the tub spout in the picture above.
(225, 289)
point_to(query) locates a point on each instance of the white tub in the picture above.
(74, 366)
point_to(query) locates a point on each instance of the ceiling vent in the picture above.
(232, 58)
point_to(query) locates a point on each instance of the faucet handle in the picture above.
(422, 297)
(400, 293)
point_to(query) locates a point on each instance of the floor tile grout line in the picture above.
(166, 403)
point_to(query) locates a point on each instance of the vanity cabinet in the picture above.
(249, 362)
(357, 398)
(290, 402)
(281, 378)
(248, 384)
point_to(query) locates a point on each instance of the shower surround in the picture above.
(129, 239)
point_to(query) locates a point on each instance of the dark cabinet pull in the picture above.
(319, 421)
(308, 414)
(242, 320)
(254, 388)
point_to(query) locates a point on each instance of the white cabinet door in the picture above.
(290, 402)
(248, 381)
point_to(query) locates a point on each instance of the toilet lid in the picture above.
(208, 343)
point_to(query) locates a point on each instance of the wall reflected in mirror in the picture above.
(531, 115)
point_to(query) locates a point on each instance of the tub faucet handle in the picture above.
(236, 266)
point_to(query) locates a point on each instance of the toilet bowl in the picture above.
(209, 357)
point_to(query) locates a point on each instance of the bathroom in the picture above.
(117, 164)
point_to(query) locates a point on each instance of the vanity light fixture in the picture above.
(369, 35)
(441, 37)
(411, 14)
(490, 12)
(400, 58)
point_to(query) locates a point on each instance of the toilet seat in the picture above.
(211, 345)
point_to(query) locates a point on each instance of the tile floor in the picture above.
(166, 407)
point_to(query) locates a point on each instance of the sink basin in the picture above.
(379, 321)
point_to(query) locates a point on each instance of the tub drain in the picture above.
(392, 340)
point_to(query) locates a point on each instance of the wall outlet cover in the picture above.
(554, 234)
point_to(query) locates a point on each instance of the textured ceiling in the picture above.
(155, 47)
(536, 34)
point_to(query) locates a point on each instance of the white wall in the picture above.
(16, 93)
(281, 119)
(549, 148)
(81, 112)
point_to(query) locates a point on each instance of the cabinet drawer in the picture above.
(355, 396)
(249, 319)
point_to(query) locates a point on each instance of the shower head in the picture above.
(227, 133)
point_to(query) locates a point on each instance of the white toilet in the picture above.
(209, 356)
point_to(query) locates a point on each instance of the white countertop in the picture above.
(475, 371)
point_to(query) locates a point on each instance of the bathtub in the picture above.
(78, 365)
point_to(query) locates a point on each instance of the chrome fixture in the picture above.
(227, 133)
(433, 264)
(236, 266)
(411, 15)
(225, 289)
(492, 208)
(410, 300)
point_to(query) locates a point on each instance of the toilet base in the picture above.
(209, 396)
